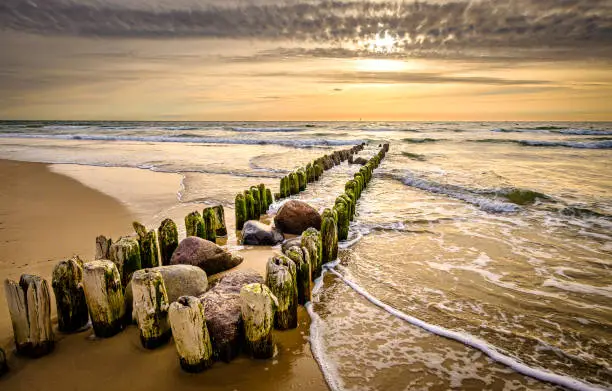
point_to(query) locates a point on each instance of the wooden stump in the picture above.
(194, 225)
(269, 199)
(329, 236)
(210, 224)
(125, 254)
(151, 307)
(241, 211)
(67, 283)
(30, 309)
(191, 334)
(302, 179)
(250, 206)
(167, 235)
(265, 202)
(104, 295)
(284, 187)
(311, 241)
(342, 210)
(103, 246)
(301, 258)
(220, 227)
(257, 306)
(294, 183)
(147, 242)
(282, 281)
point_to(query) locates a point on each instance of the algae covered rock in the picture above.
(168, 240)
(204, 254)
(295, 217)
(151, 307)
(190, 334)
(258, 305)
(104, 295)
(281, 278)
(240, 210)
(260, 234)
(523, 197)
(125, 254)
(329, 237)
(67, 283)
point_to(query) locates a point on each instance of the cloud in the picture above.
(416, 28)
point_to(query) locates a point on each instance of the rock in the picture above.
(151, 307)
(260, 234)
(287, 244)
(104, 295)
(240, 210)
(67, 283)
(29, 305)
(295, 217)
(329, 237)
(311, 241)
(359, 160)
(168, 240)
(282, 280)
(194, 225)
(103, 247)
(190, 334)
(3, 365)
(210, 224)
(301, 258)
(258, 305)
(125, 254)
(204, 254)
(223, 313)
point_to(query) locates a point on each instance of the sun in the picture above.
(383, 43)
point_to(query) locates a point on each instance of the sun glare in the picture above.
(382, 43)
(380, 65)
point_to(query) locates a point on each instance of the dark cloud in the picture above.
(421, 28)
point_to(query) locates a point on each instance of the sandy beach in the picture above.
(48, 215)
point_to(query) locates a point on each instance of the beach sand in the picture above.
(47, 215)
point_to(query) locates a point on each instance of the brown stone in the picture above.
(204, 254)
(295, 217)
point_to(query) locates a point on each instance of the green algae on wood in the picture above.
(342, 211)
(220, 227)
(257, 206)
(167, 234)
(194, 225)
(210, 225)
(294, 183)
(190, 334)
(147, 241)
(282, 280)
(265, 202)
(302, 179)
(329, 236)
(284, 187)
(258, 307)
(125, 253)
(269, 199)
(150, 301)
(67, 283)
(250, 206)
(29, 305)
(240, 209)
(301, 258)
(104, 295)
(311, 241)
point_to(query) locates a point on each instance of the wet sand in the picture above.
(46, 216)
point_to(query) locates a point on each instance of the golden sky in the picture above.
(264, 60)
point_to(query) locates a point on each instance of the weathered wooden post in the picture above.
(329, 236)
(281, 278)
(283, 187)
(349, 202)
(265, 202)
(301, 258)
(190, 334)
(241, 211)
(67, 283)
(125, 253)
(30, 309)
(342, 211)
(147, 242)
(311, 241)
(210, 225)
(103, 247)
(294, 183)
(220, 227)
(104, 295)
(269, 198)
(250, 206)
(257, 206)
(3, 365)
(194, 225)
(151, 307)
(258, 306)
(168, 240)
(302, 179)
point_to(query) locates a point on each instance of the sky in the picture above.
(306, 60)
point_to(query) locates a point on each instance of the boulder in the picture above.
(295, 217)
(260, 234)
(223, 313)
(359, 160)
(287, 244)
(204, 254)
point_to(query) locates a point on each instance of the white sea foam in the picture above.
(265, 130)
(605, 291)
(470, 340)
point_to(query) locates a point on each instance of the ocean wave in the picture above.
(296, 143)
(264, 129)
(604, 144)
(181, 128)
(556, 129)
(585, 132)
(420, 140)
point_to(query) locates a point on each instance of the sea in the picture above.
(480, 256)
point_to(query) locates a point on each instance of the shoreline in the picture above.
(79, 203)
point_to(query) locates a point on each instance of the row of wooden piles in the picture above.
(251, 204)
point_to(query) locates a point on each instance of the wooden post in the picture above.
(220, 227)
(302, 178)
(30, 309)
(194, 225)
(168, 240)
(103, 247)
(257, 203)
(67, 283)
(329, 236)
(250, 206)
(281, 279)
(269, 198)
(265, 202)
(147, 242)
(311, 241)
(104, 295)
(151, 307)
(241, 211)
(301, 258)
(342, 210)
(294, 183)
(210, 224)
(257, 306)
(125, 254)
(191, 334)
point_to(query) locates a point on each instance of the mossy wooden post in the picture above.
(104, 295)
(250, 206)
(311, 241)
(151, 307)
(67, 283)
(265, 202)
(294, 183)
(3, 365)
(302, 179)
(350, 204)
(194, 225)
(103, 247)
(210, 224)
(361, 183)
(190, 334)
(167, 235)
(310, 175)
(125, 253)
(29, 305)
(147, 241)
(342, 211)
(318, 171)
(241, 211)
(284, 187)
(301, 258)
(281, 279)
(257, 206)
(258, 306)
(269, 198)
(329, 236)
(220, 227)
